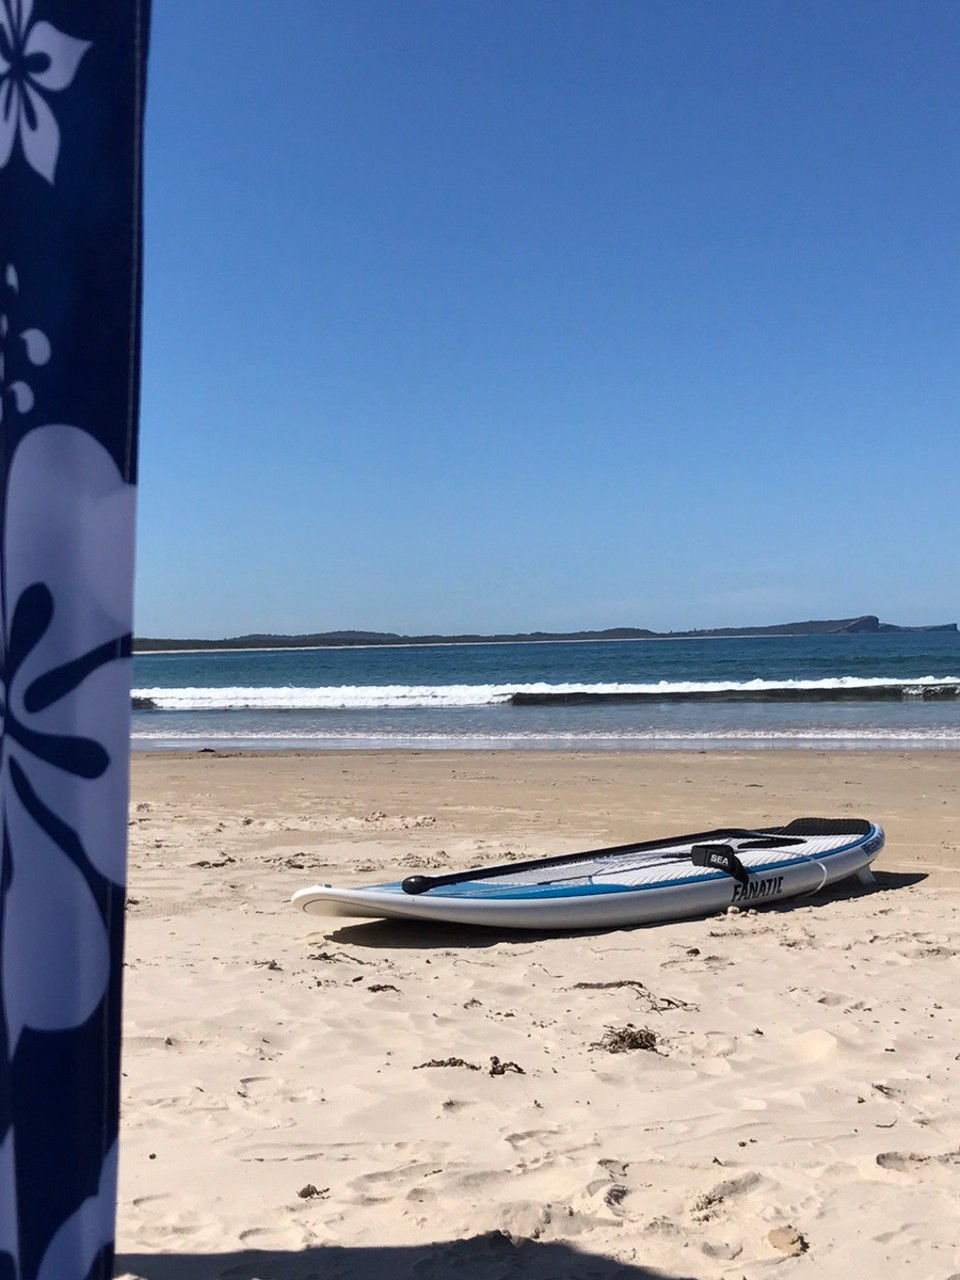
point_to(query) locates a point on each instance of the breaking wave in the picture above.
(395, 697)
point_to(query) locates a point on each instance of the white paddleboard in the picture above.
(640, 883)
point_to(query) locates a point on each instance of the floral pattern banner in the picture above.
(71, 117)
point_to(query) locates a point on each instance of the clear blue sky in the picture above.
(485, 315)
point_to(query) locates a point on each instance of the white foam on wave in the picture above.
(934, 736)
(329, 698)
(388, 697)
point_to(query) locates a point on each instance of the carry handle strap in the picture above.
(720, 857)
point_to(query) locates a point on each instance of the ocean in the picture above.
(892, 690)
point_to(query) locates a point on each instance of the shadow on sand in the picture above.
(408, 935)
(493, 1256)
(844, 890)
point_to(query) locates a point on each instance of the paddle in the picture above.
(769, 838)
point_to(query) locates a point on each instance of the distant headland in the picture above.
(866, 624)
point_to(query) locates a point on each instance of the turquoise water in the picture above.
(443, 696)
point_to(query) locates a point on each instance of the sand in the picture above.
(771, 1091)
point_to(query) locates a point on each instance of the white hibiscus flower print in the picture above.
(35, 59)
(66, 679)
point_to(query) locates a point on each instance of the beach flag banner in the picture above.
(71, 112)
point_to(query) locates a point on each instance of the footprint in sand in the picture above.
(923, 1168)
(708, 1205)
(290, 1152)
(541, 1138)
(384, 1184)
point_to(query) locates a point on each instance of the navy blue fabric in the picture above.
(70, 267)
(77, 244)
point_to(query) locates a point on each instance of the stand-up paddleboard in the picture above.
(628, 884)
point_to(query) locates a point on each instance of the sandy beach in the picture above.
(309, 1099)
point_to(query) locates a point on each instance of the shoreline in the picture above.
(447, 746)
